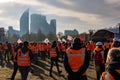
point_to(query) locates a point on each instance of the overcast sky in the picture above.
(70, 14)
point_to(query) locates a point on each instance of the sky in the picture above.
(82, 15)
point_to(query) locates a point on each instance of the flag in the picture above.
(19, 41)
(59, 40)
(46, 40)
(69, 37)
(63, 40)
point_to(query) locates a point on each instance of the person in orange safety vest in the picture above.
(6, 52)
(24, 58)
(63, 49)
(113, 65)
(14, 59)
(76, 61)
(115, 43)
(107, 47)
(99, 59)
(54, 57)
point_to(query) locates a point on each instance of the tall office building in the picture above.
(24, 23)
(39, 22)
(53, 26)
(2, 34)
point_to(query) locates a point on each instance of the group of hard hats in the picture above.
(98, 43)
(114, 40)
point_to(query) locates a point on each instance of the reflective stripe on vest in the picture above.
(76, 60)
(63, 48)
(106, 76)
(53, 52)
(23, 60)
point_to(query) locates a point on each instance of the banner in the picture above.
(46, 40)
(69, 38)
(63, 40)
(59, 40)
(19, 41)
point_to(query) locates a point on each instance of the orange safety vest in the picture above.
(32, 48)
(39, 47)
(93, 45)
(59, 47)
(1, 49)
(63, 48)
(42, 47)
(23, 59)
(5, 46)
(53, 52)
(14, 55)
(75, 58)
(35, 49)
(49, 46)
(107, 45)
(88, 46)
(108, 76)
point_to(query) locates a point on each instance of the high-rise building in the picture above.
(53, 26)
(39, 22)
(2, 34)
(24, 23)
(71, 32)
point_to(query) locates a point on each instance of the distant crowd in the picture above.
(75, 56)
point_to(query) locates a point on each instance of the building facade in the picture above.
(39, 22)
(53, 26)
(71, 32)
(2, 34)
(24, 23)
(12, 31)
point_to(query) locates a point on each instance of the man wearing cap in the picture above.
(99, 59)
(116, 43)
(14, 59)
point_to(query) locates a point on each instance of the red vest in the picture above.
(108, 76)
(14, 55)
(5, 46)
(23, 59)
(53, 52)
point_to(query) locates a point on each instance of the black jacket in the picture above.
(111, 67)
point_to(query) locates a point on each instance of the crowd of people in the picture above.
(75, 56)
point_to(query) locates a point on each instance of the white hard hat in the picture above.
(98, 43)
(116, 39)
